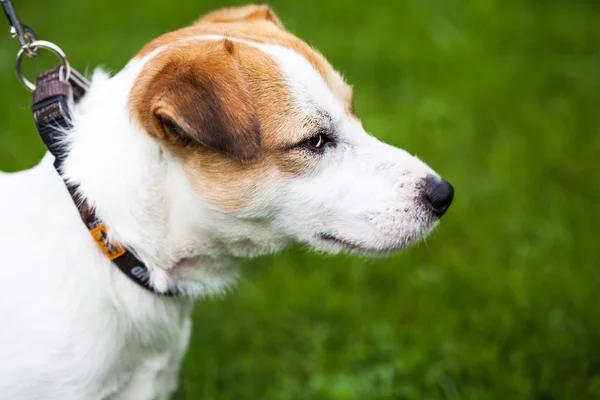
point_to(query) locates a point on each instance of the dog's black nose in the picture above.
(439, 194)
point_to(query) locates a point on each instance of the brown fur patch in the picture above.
(249, 13)
(227, 22)
(201, 98)
(244, 86)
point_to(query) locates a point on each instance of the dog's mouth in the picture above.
(348, 246)
(335, 244)
(326, 237)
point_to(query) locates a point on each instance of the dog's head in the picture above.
(264, 131)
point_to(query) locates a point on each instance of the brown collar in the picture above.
(51, 100)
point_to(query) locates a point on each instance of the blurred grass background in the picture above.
(503, 99)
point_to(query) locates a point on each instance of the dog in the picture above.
(228, 138)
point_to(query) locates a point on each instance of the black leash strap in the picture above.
(52, 99)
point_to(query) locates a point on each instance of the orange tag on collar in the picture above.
(112, 250)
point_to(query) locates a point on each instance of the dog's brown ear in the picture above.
(205, 100)
(248, 13)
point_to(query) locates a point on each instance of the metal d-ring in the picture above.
(33, 47)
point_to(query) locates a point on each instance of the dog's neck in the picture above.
(140, 193)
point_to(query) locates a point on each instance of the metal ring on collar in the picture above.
(41, 44)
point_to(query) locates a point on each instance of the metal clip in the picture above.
(24, 34)
(30, 46)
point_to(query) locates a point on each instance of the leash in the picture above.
(54, 92)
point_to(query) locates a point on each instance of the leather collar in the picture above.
(51, 100)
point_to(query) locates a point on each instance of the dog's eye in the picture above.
(316, 142)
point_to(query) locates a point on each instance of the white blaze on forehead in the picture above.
(309, 89)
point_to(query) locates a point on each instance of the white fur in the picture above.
(74, 327)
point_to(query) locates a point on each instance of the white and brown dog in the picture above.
(229, 138)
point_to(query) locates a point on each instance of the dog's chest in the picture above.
(73, 326)
(93, 353)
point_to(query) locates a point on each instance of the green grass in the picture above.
(503, 99)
